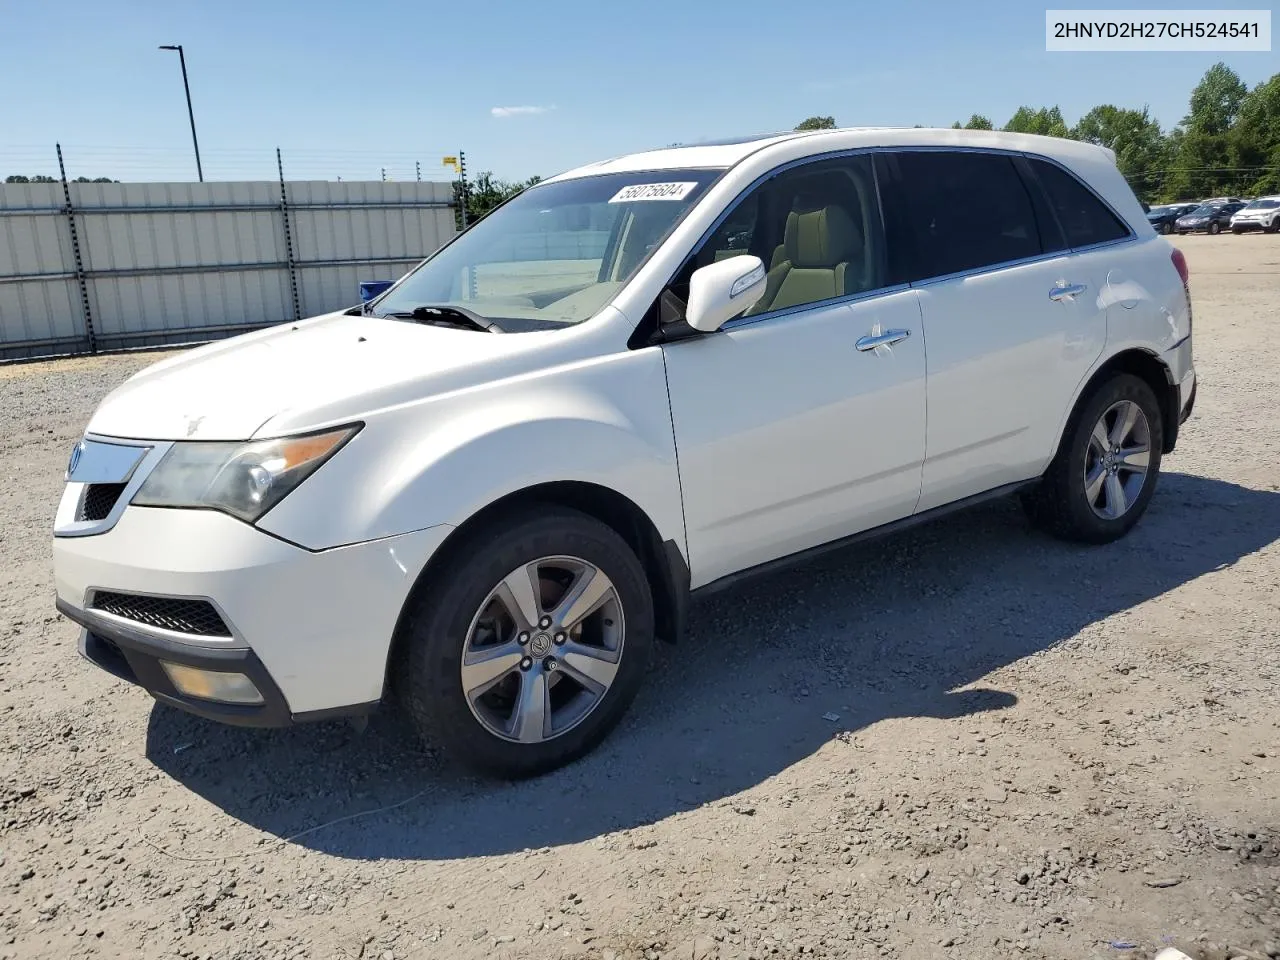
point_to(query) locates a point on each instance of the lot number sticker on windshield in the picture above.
(652, 191)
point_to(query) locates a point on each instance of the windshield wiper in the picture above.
(449, 316)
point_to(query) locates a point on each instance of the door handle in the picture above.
(886, 339)
(1067, 291)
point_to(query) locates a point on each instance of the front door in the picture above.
(803, 421)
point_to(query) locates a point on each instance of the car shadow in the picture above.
(900, 627)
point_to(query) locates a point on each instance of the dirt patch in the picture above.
(966, 741)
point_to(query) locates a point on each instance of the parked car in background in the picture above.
(1163, 218)
(1208, 218)
(1261, 214)
(465, 495)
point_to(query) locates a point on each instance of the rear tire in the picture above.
(1214, 229)
(1165, 229)
(1105, 471)
(468, 615)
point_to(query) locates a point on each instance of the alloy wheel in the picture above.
(1116, 461)
(543, 649)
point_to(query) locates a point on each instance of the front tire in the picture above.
(1104, 474)
(527, 649)
(1273, 227)
(1237, 230)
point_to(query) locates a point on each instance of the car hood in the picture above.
(313, 373)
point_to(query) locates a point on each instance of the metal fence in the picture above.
(86, 267)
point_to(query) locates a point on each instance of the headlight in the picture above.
(242, 479)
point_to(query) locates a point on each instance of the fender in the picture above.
(1145, 306)
(604, 421)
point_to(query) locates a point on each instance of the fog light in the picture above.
(212, 684)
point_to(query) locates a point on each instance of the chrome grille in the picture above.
(179, 614)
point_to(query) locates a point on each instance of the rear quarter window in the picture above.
(1084, 218)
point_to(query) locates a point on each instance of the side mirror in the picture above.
(721, 291)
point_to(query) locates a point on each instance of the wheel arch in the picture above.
(1146, 366)
(664, 563)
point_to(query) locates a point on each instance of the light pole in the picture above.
(190, 113)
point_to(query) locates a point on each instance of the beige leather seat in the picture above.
(814, 260)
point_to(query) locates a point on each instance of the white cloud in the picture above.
(503, 112)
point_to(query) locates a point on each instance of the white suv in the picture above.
(1261, 214)
(485, 494)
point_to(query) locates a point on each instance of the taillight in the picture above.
(1180, 264)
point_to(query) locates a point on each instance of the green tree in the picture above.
(1198, 165)
(1139, 146)
(978, 122)
(1253, 141)
(42, 178)
(817, 123)
(1046, 121)
(1216, 101)
(486, 192)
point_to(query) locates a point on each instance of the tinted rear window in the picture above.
(966, 211)
(1085, 219)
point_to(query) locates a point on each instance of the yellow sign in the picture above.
(449, 162)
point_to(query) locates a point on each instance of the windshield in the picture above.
(1158, 211)
(556, 254)
(1206, 210)
(1263, 204)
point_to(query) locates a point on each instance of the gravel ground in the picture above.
(966, 741)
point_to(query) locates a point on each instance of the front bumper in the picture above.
(137, 658)
(311, 629)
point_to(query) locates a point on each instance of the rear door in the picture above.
(1012, 320)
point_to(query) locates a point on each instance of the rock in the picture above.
(699, 948)
(1024, 876)
(388, 955)
(1164, 882)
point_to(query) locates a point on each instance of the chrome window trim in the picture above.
(849, 299)
(991, 268)
(1131, 235)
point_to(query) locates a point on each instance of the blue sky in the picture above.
(347, 89)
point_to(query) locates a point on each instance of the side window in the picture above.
(1084, 218)
(816, 227)
(966, 211)
(733, 237)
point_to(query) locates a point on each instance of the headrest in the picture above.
(820, 237)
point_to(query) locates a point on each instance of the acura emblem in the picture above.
(75, 459)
